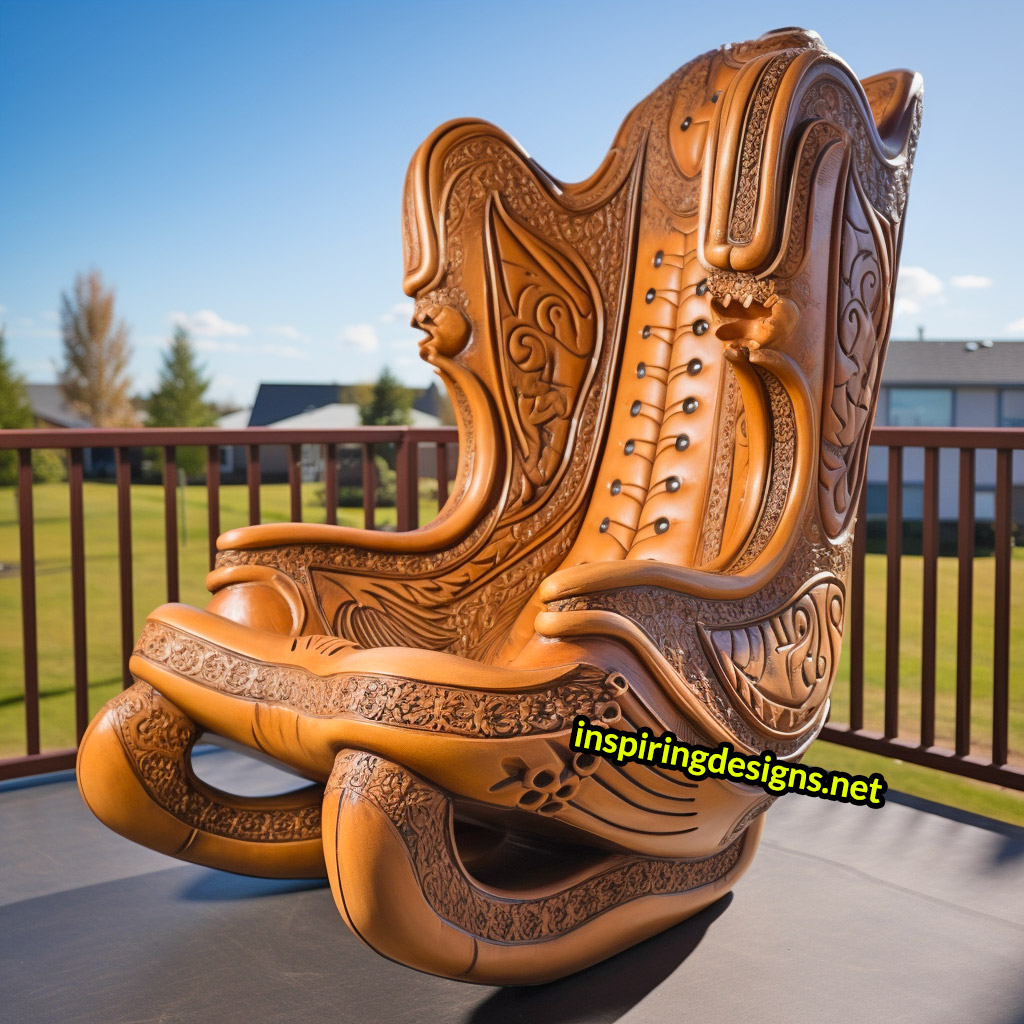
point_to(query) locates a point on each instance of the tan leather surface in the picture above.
(664, 378)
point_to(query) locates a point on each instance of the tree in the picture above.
(16, 414)
(179, 400)
(15, 411)
(94, 378)
(388, 405)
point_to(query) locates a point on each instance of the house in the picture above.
(52, 412)
(949, 384)
(320, 407)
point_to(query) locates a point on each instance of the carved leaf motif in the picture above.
(781, 667)
(546, 319)
(865, 280)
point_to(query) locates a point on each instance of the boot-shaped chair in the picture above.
(664, 378)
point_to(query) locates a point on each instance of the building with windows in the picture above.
(949, 384)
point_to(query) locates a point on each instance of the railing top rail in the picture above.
(135, 437)
(949, 437)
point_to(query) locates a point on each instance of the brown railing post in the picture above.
(212, 500)
(171, 520)
(929, 592)
(252, 479)
(860, 544)
(965, 602)
(1001, 634)
(893, 559)
(27, 573)
(442, 474)
(78, 631)
(124, 557)
(408, 498)
(369, 489)
(331, 483)
(295, 481)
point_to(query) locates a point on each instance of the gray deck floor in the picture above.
(904, 914)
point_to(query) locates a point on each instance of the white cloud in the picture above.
(1017, 327)
(26, 327)
(360, 336)
(399, 311)
(284, 351)
(972, 281)
(51, 316)
(204, 323)
(285, 331)
(210, 345)
(915, 287)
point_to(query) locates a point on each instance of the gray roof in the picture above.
(276, 402)
(48, 405)
(952, 362)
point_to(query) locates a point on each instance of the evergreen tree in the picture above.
(389, 403)
(15, 411)
(179, 400)
(16, 414)
(94, 379)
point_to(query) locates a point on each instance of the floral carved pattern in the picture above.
(158, 740)
(389, 700)
(422, 817)
(865, 282)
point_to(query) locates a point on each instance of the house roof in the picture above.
(48, 405)
(234, 420)
(342, 416)
(955, 362)
(275, 402)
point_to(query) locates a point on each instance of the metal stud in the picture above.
(672, 484)
(700, 327)
(714, 99)
(641, 369)
(605, 523)
(682, 442)
(616, 486)
(690, 405)
(702, 288)
(634, 409)
(661, 525)
(687, 121)
(693, 367)
(649, 297)
(659, 256)
(646, 332)
(629, 447)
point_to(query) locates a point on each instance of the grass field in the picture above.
(53, 586)
(103, 619)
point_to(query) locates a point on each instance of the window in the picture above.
(1011, 412)
(920, 407)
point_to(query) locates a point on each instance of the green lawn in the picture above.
(53, 586)
(103, 616)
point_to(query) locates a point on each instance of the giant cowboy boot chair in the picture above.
(664, 378)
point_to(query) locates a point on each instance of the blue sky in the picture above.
(238, 166)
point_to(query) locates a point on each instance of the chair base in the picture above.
(135, 775)
(401, 885)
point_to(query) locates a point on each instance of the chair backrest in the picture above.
(673, 363)
(683, 350)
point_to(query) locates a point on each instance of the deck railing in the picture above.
(886, 690)
(407, 442)
(988, 758)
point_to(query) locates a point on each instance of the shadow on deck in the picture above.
(910, 913)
